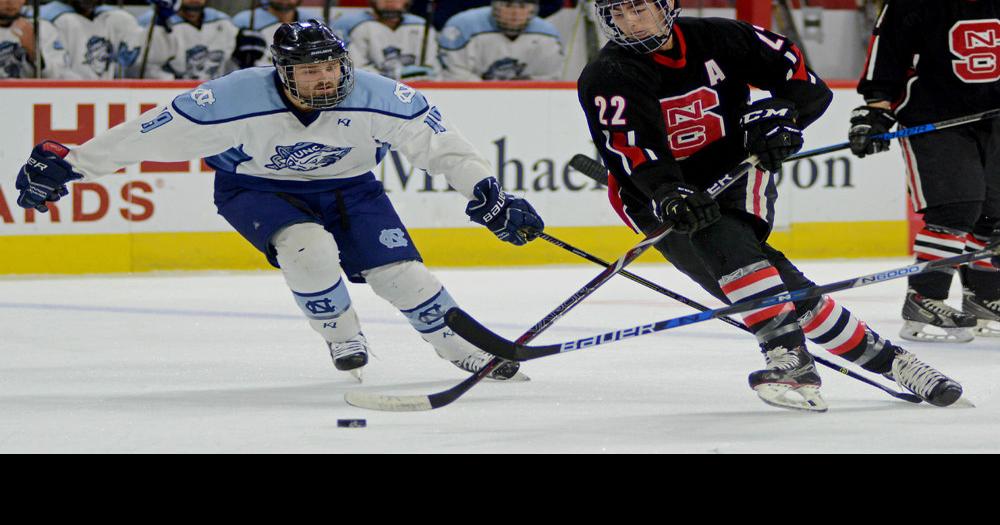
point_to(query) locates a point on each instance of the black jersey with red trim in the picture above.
(935, 59)
(662, 118)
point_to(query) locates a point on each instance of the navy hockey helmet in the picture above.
(641, 25)
(312, 42)
(513, 16)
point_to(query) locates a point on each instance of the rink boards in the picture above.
(161, 217)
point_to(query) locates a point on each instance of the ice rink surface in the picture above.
(226, 363)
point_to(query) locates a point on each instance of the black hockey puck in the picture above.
(352, 423)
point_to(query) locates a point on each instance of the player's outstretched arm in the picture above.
(162, 135)
(433, 144)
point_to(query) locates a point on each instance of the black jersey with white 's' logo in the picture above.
(935, 59)
(662, 118)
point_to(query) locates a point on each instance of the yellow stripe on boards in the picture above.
(459, 247)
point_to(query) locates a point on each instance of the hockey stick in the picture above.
(428, 24)
(429, 402)
(472, 331)
(327, 6)
(904, 133)
(149, 44)
(36, 25)
(597, 172)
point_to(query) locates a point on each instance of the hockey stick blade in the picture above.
(386, 403)
(590, 167)
(488, 341)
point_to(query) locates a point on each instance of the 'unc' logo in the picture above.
(98, 56)
(394, 238)
(306, 156)
(203, 97)
(12, 56)
(432, 315)
(320, 307)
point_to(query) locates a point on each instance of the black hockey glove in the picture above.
(43, 179)
(511, 219)
(867, 121)
(994, 240)
(771, 132)
(250, 47)
(688, 208)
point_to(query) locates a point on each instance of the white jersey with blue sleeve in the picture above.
(267, 25)
(394, 53)
(252, 134)
(15, 61)
(189, 52)
(472, 48)
(102, 48)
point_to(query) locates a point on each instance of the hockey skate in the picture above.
(350, 356)
(929, 320)
(923, 380)
(507, 371)
(789, 371)
(987, 313)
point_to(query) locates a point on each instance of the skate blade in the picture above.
(917, 332)
(783, 396)
(358, 374)
(518, 378)
(987, 328)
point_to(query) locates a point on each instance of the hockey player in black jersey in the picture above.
(933, 60)
(667, 102)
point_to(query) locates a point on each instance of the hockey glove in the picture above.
(250, 47)
(994, 240)
(164, 11)
(770, 132)
(867, 121)
(688, 208)
(43, 179)
(511, 219)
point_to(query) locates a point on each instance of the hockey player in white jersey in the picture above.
(259, 28)
(294, 148)
(390, 41)
(195, 42)
(101, 41)
(17, 44)
(506, 41)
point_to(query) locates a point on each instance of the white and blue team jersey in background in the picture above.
(189, 52)
(267, 25)
(390, 52)
(472, 48)
(256, 139)
(14, 59)
(100, 49)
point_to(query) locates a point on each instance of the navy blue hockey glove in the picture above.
(688, 208)
(250, 47)
(865, 122)
(771, 132)
(44, 178)
(511, 219)
(164, 11)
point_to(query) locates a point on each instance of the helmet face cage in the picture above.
(344, 88)
(610, 10)
(511, 25)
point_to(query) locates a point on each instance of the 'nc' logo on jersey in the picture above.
(11, 58)
(394, 238)
(306, 156)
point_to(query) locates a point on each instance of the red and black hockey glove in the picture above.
(771, 132)
(688, 208)
(45, 176)
(867, 122)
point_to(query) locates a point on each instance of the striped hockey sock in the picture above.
(842, 334)
(774, 326)
(934, 243)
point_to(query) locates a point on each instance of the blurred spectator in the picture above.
(17, 44)
(194, 43)
(257, 31)
(506, 41)
(389, 41)
(101, 41)
(444, 10)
